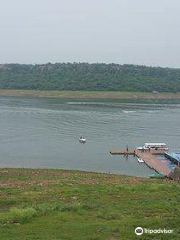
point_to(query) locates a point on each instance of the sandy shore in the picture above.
(88, 94)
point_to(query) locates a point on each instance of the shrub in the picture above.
(17, 215)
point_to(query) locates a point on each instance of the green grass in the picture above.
(72, 205)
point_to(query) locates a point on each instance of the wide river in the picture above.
(43, 133)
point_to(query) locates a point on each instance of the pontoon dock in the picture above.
(149, 158)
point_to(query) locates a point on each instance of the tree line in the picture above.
(85, 76)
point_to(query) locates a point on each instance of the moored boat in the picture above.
(140, 160)
(82, 140)
(154, 146)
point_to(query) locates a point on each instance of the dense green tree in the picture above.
(85, 76)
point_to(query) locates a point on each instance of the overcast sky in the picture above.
(144, 32)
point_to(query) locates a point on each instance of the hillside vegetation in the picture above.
(84, 76)
(73, 205)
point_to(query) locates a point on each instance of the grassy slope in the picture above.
(89, 94)
(79, 205)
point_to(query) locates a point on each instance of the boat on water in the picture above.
(82, 140)
(140, 160)
(153, 146)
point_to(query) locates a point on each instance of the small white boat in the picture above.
(140, 160)
(82, 140)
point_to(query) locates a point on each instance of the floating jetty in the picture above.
(149, 157)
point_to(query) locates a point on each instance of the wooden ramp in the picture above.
(134, 152)
(122, 152)
(149, 158)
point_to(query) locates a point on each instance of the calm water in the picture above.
(44, 133)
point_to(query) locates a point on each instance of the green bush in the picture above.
(18, 215)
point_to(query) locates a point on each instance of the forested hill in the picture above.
(84, 76)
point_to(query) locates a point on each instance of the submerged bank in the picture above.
(89, 94)
(83, 205)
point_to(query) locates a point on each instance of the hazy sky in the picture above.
(145, 32)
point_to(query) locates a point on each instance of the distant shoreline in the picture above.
(89, 94)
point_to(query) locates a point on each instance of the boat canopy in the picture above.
(155, 144)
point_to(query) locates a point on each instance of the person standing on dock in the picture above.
(127, 148)
(134, 152)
